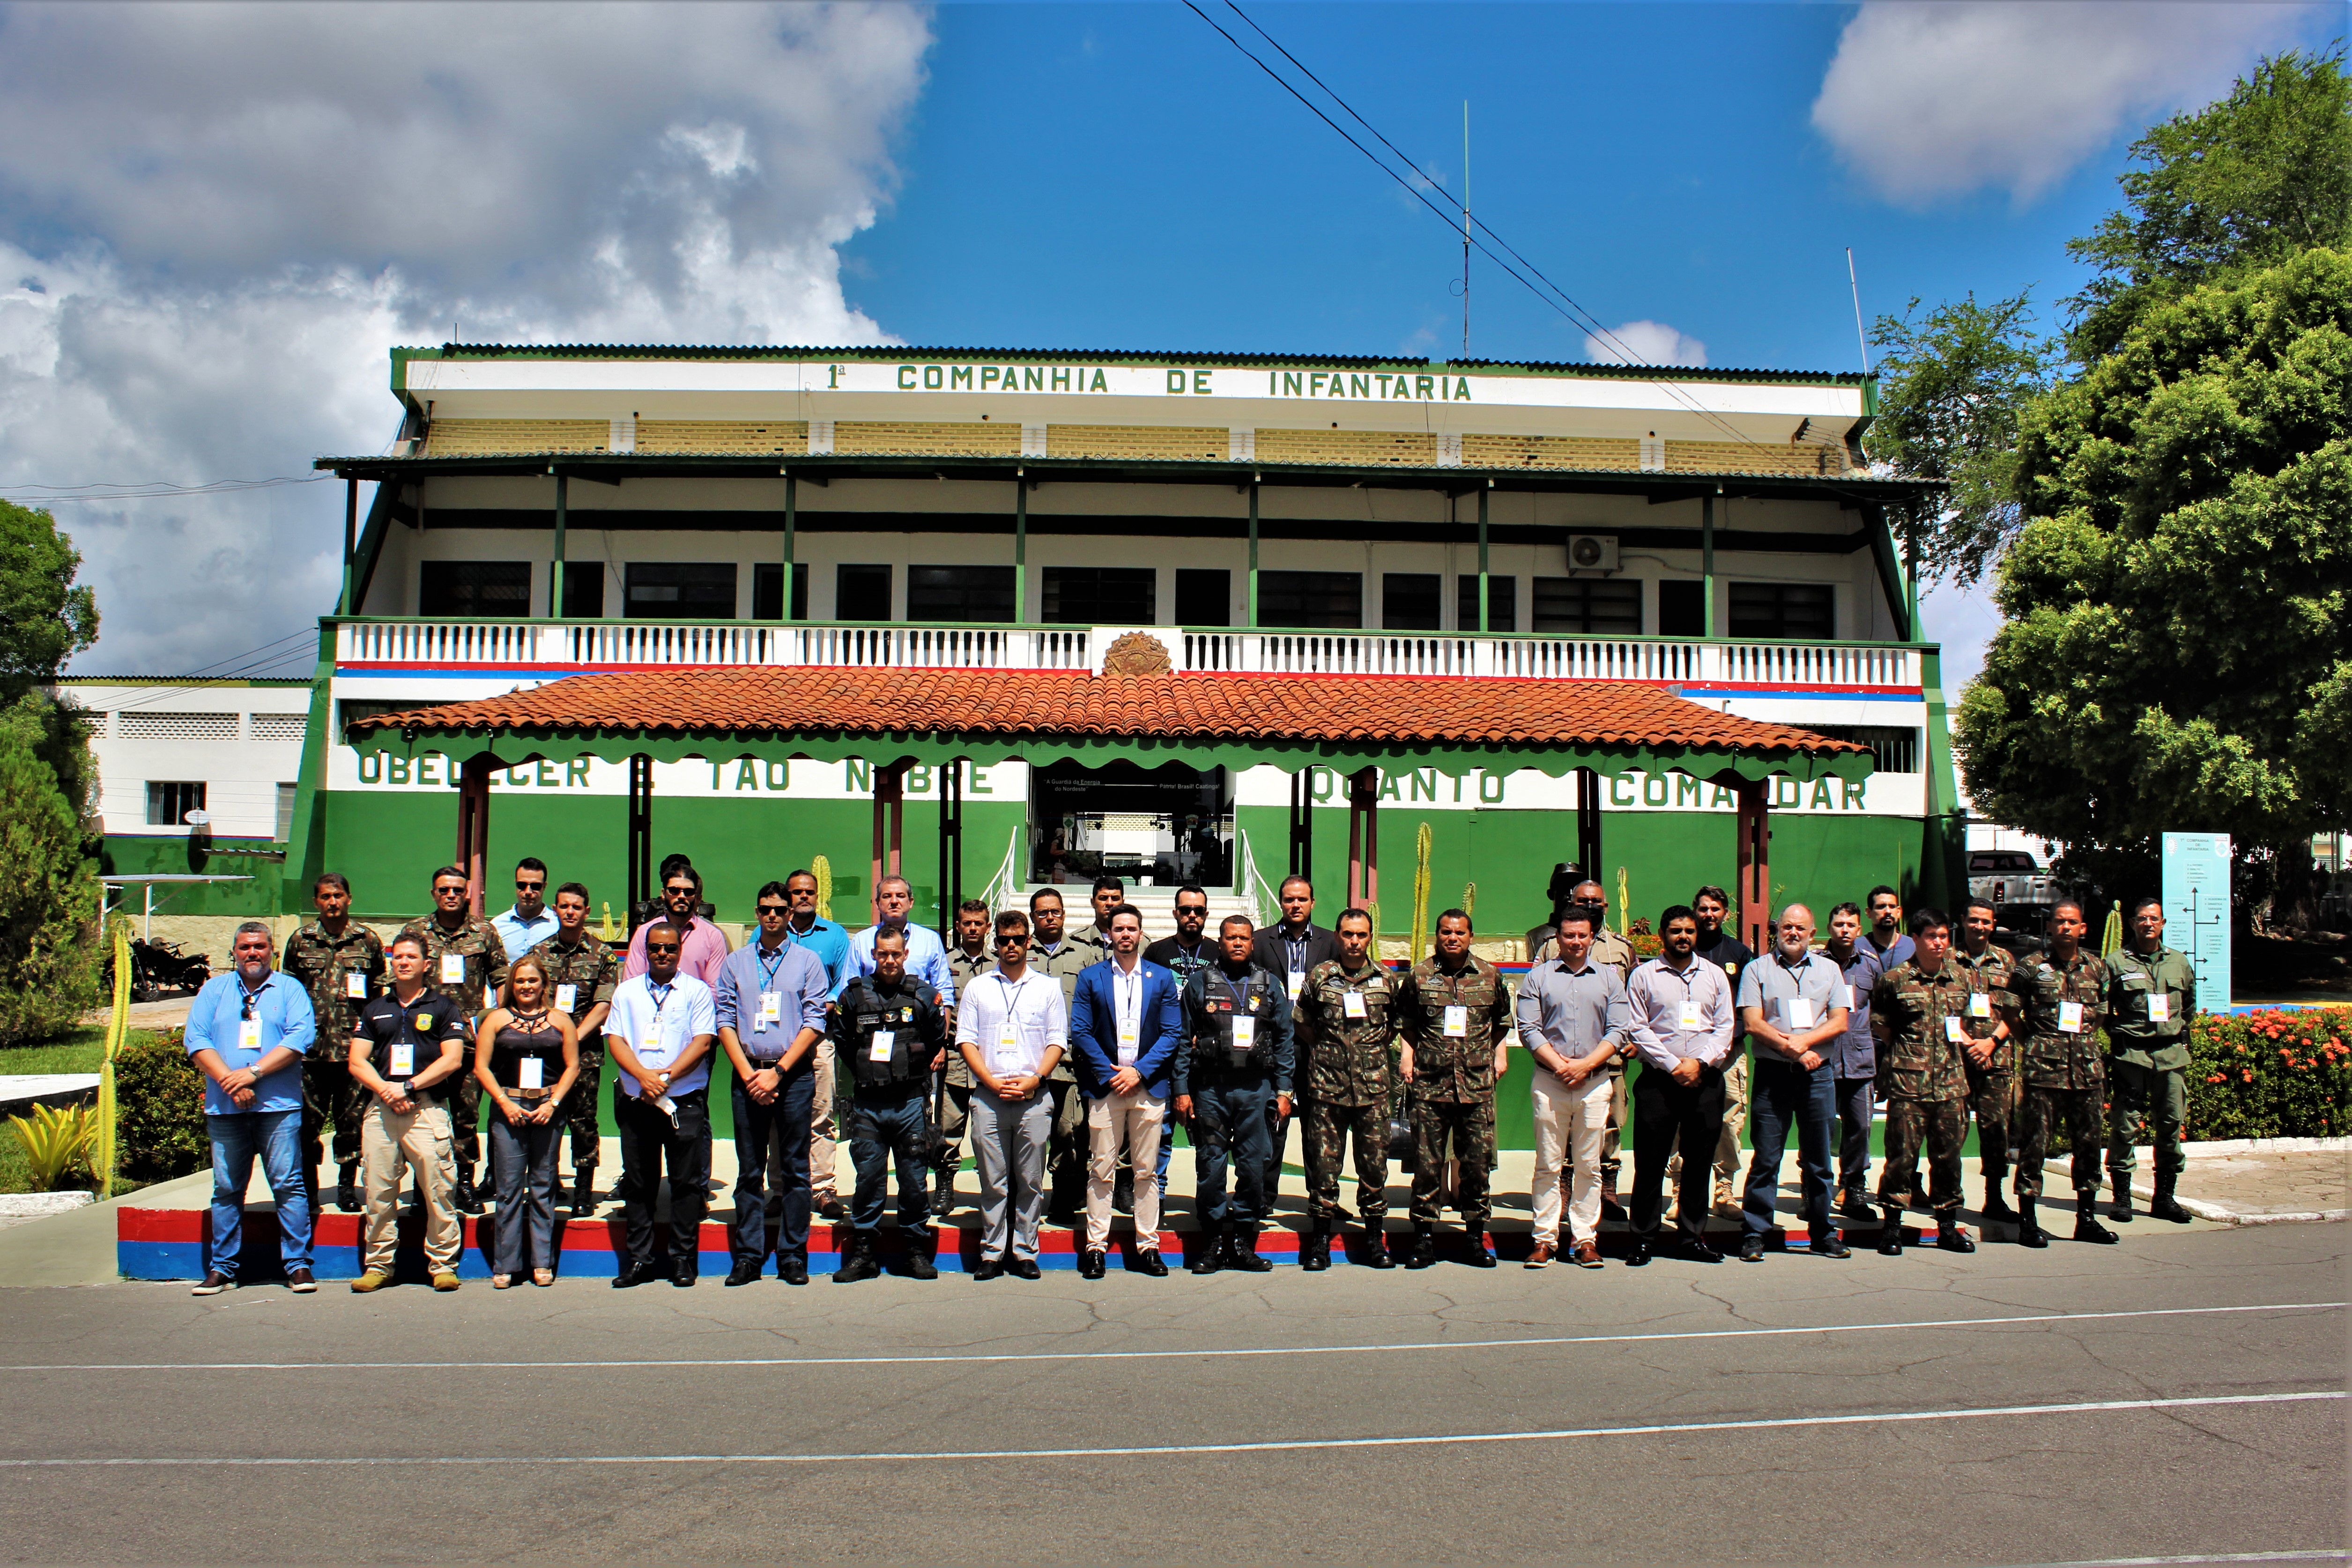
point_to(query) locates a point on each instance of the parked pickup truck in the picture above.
(2009, 877)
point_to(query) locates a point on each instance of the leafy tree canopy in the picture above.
(45, 619)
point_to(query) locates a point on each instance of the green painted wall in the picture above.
(131, 855)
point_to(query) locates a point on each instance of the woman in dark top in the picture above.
(526, 1055)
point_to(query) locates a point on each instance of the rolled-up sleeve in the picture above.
(727, 1007)
(1716, 1044)
(1528, 1011)
(301, 1025)
(814, 992)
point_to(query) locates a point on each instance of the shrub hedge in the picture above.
(159, 1124)
(2282, 1073)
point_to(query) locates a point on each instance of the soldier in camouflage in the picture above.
(1990, 1050)
(341, 963)
(1455, 1013)
(2151, 994)
(2059, 996)
(1348, 1090)
(465, 961)
(1920, 1012)
(582, 970)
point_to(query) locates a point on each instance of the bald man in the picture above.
(1793, 1006)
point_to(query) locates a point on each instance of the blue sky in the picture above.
(215, 219)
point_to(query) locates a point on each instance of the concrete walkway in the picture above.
(2260, 1181)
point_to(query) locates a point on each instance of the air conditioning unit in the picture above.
(1593, 552)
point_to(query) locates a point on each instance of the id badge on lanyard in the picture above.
(2070, 1017)
(1458, 1022)
(404, 1060)
(1352, 1004)
(772, 1008)
(878, 1044)
(566, 997)
(532, 1071)
(2160, 1006)
(354, 985)
(1244, 1034)
(1800, 1012)
(453, 969)
(248, 1034)
(1980, 1004)
(1692, 1015)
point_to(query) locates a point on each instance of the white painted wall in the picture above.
(241, 741)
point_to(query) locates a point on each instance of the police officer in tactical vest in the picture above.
(1234, 1063)
(890, 1034)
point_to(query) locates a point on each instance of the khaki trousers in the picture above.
(1132, 1122)
(1569, 1127)
(391, 1144)
(824, 1127)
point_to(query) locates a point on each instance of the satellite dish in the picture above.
(198, 819)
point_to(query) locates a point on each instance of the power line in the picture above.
(147, 490)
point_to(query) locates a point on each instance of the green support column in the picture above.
(350, 544)
(1253, 555)
(1020, 548)
(792, 520)
(555, 572)
(1911, 575)
(1484, 624)
(1706, 561)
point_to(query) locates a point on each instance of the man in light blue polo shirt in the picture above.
(248, 1031)
(1792, 1005)
(805, 928)
(530, 921)
(926, 956)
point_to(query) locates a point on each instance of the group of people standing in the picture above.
(1067, 1058)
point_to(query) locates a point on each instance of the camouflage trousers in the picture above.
(1995, 1099)
(332, 1098)
(1326, 1134)
(2076, 1109)
(465, 1103)
(1941, 1125)
(580, 1106)
(1446, 1130)
(2155, 1096)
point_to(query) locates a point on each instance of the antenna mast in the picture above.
(1860, 336)
(1465, 228)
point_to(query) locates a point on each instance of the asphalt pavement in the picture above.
(2179, 1396)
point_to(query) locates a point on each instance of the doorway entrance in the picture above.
(1154, 827)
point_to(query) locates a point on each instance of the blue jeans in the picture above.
(1780, 1093)
(277, 1137)
(781, 1126)
(883, 1125)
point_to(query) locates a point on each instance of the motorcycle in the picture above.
(160, 966)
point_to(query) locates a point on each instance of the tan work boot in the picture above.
(370, 1281)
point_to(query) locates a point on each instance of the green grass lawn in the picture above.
(77, 1050)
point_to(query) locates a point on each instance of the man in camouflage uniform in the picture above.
(1455, 1016)
(2151, 992)
(581, 974)
(465, 961)
(1920, 1012)
(1055, 952)
(1609, 951)
(2059, 994)
(1990, 1050)
(341, 963)
(1347, 1088)
(967, 960)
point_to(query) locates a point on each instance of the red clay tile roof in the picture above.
(1382, 709)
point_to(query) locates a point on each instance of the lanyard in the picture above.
(1012, 990)
(767, 970)
(1240, 994)
(1127, 995)
(252, 996)
(659, 1003)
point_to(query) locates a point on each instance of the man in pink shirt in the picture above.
(702, 948)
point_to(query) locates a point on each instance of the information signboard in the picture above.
(2196, 910)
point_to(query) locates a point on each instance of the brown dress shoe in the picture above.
(1585, 1255)
(1544, 1253)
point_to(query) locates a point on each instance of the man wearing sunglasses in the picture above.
(771, 1003)
(529, 922)
(702, 948)
(248, 1031)
(659, 1033)
(465, 961)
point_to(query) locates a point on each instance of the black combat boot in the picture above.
(1890, 1231)
(2164, 1205)
(1315, 1247)
(1952, 1236)
(583, 1188)
(347, 1190)
(467, 1200)
(1424, 1246)
(860, 1262)
(1208, 1251)
(2122, 1183)
(1244, 1255)
(921, 1250)
(2028, 1230)
(2087, 1220)
(1994, 1207)
(1375, 1244)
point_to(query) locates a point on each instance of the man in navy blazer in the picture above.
(1126, 1022)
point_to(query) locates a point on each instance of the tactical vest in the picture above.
(1214, 1058)
(865, 1013)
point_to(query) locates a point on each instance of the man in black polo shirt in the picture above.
(405, 1047)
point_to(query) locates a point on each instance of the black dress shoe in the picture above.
(988, 1268)
(1831, 1247)
(1700, 1252)
(684, 1274)
(1091, 1265)
(1204, 1256)
(1023, 1269)
(793, 1270)
(1638, 1256)
(745, 1271)
(632, 1275)
(1148, 1261)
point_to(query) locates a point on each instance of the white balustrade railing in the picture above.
(605, 645)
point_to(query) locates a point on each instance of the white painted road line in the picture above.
(1170, 1450)
(967, 1359)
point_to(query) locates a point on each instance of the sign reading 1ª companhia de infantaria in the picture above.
(1387, 385)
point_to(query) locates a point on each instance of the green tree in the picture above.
(45, 619)
(2249, 181)
(49, 898)
(1951, 386)
(2176, 650)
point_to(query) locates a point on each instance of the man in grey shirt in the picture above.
(1572, 1015)
(1682, 1028)
(1792, 1005)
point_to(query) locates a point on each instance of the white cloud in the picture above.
(1937, 100)
(214, 221)
(1645, 343)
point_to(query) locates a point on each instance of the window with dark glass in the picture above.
(1100, 596)
(1682, 609)
(1204, 596)
(168, 804)
(1410, 601)
(1591, 606)
(1330, 600)
(1502, 603)
(861, 592)
(959, 593)
(584, 590)
(474, 588)
(681, 590)
(768, 591)
(1789, 610)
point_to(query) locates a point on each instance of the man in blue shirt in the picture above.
(530, 921)
(1854, 1054)
(248, 1031)
(926, 956)
(805, 928)
(1889, 942)
(769, 1007)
